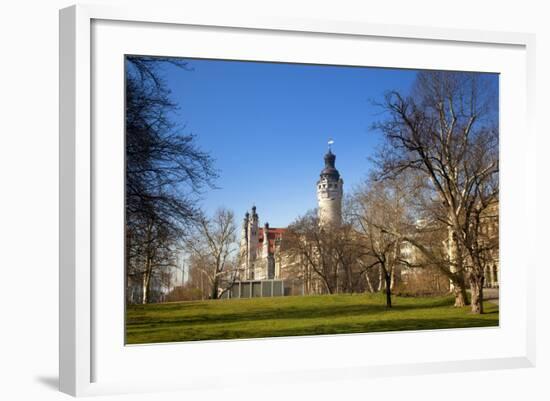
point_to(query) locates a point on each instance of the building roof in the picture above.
(330, 170)
(273, 234)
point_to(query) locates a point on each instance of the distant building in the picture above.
(260, 247)
(490, 238)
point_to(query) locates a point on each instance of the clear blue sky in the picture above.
(267, 127)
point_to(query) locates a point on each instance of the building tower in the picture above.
(252, 243)
(244, 245)
(330, 189)
(268, 257)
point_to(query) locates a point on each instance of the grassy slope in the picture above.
(294, 316)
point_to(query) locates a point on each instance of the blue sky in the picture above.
(267, 126)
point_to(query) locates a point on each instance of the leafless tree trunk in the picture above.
(447, 132)
(369, 283)
(476, 285)
(381, 281)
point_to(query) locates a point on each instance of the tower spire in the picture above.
(330, 191)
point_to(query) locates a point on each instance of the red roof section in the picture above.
(273, 234)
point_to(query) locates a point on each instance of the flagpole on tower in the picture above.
(330, 142)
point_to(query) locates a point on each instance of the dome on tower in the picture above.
(330, 170)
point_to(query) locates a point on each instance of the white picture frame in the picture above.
(81, 340)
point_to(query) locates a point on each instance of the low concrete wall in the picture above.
(256, 288)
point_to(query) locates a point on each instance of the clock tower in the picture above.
(330, 189)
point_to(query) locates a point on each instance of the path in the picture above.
(491, 295)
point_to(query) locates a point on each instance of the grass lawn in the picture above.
(296, 316)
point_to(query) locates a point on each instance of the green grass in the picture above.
(296, 316)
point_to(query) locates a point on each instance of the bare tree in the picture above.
(165, 169)
(165, 173)
(329, 254)
(211, 246)
(308, 243)
(382, 217)
(447, 131)
(152, 253)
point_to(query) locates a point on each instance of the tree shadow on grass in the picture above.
(276, 312)
(225, 333)
(390, 325)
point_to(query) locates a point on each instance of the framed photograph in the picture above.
(290, 198)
